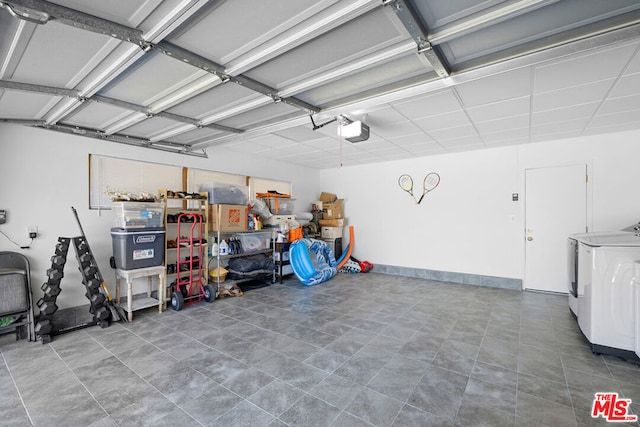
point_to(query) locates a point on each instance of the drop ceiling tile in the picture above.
(627, 85)
(395, 129)
(408, 140)
(246, 147)
(602, 120)
(471, 142)
(621, 105)
(556, 135)
(618, 127)
(506, 142)
(492, 126)
(553, 128)
(500, 109)
(382, 116)
(581, 69)
(634, 65)
(375, 145)
(499, 87)
(564, 114)
(441, 135)
(566, 97)
(300, 134)
(443, 121)
(425, 150)
(429, 105)
(321, 144)
(273, 141)
(506, 135)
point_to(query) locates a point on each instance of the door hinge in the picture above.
(586, 178)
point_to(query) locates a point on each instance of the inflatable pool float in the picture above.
(313, 261)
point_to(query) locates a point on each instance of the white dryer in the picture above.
(605, 304)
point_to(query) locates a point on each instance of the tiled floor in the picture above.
(359, 350)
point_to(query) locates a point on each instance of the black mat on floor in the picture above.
(253, 284)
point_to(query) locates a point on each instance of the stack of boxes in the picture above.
(332, 222)
(227, 206)
(138, 235)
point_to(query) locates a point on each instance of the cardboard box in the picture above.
(331, 232)
(228, 218)
(332, 222)
(333, 210)
(328, 197)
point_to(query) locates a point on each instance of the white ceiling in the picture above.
(428, 77)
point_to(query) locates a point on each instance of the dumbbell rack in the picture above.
(45, 327)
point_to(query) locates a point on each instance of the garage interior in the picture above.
(449, 327)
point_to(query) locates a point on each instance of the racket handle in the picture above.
(421, 197)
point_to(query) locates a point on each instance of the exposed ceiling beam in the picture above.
(409, 18)
(81, 20)
(129, 140)
(75, 95)
(94, 24)
(176, 117)
(486, 18)
(205, 64)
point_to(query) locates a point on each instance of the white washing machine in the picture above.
(605, 304)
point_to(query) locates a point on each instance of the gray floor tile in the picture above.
(440, 392)
(375, 408)
(337, 391)
(211, 404)
(245, 414)
(248, 382)
(308, 411)
(276, 397)
(410, 416)
(544, 411)
(361, 350)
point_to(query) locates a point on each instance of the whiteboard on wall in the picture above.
(114, 174)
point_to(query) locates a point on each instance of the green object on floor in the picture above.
(6, 321)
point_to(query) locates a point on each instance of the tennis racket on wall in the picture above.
(406, 183)
(430, 182)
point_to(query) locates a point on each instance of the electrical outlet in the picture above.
(3, 216)
(32, 231)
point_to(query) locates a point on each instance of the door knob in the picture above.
(529, 238)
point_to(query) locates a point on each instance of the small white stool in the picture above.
(140, 303)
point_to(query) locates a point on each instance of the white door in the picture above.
(555, 207)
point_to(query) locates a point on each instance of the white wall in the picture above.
(43, 173)
(469, 224)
